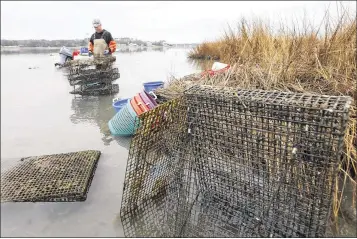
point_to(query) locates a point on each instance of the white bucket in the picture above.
(81, 57)
(62, 59)
(218, 66)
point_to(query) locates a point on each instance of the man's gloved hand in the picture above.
(106, 52)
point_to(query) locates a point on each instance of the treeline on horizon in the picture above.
(44, 43)
(68, 43)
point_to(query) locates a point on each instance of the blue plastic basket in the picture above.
(124, 122)
(151, 86)
(84, 50)
(119, 104)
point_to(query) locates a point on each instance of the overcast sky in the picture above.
(176, 22)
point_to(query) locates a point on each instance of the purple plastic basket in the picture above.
(151, 86)
(117, 105)
(148, 100)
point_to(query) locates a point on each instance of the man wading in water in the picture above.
(101, 35)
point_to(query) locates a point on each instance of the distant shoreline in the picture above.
(37, 47)
(24, 48)
(121, 47)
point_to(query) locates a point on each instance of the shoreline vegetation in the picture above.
(121, 48)
(319, 60)
(67, 43)
(16, 45)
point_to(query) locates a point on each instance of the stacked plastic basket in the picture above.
(124, 122)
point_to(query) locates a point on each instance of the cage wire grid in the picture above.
(50, 178)
(234, 163)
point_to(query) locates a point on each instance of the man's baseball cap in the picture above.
(96, 22)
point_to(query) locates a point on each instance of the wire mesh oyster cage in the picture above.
(50, 178)
(96, 89)
(234, 163)
(93, 75)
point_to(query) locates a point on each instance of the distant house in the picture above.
(130, 42)
(165, 44)
(123, 40)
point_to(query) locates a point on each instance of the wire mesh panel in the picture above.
(47, 178)
(147, 180)
(235, 163)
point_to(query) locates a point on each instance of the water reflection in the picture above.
(97, 110)
(201, 64)
(141, 49)
(30, 51)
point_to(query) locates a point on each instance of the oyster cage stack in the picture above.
(93, 76)
(234, 163)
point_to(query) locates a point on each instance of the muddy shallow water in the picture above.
(39, 116)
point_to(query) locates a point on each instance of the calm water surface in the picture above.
(39, 116)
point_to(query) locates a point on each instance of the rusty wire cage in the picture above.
(93, 76)
(96, 89)
(90, 76)
(234, 163)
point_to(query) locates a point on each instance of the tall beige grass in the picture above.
(324, 56)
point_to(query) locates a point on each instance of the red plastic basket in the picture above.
(212, 72)
(138, 105)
